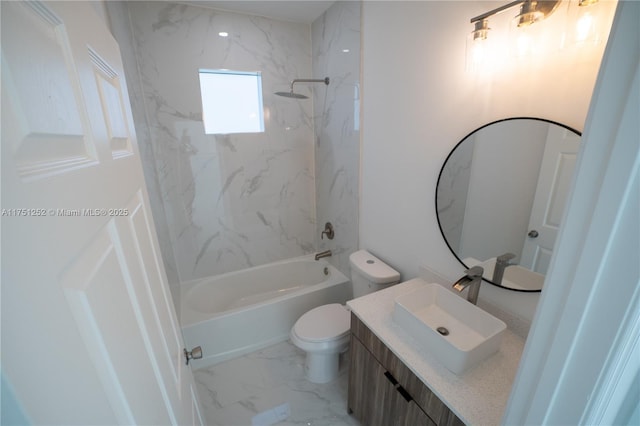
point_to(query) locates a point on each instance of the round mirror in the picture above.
(501, 195)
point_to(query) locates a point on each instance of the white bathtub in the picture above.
(236, 313)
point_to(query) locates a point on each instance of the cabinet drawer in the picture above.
(422, 395)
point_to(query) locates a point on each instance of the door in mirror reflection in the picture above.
(554, 182)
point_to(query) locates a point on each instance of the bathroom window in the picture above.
(231, 101)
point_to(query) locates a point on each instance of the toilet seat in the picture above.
(322, 324)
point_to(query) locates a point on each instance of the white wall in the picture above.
(100, 7)
(418, 102)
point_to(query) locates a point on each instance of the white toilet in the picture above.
(323, 332)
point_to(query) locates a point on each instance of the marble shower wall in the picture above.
(230, 201)
(336, 54)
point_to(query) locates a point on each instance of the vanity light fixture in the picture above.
(531, 11)
(525, 41)
(479, 49)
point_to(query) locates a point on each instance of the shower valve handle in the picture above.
(328, 231)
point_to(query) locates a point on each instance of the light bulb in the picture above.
(584, 27)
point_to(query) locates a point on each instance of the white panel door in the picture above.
(89, 332)
(554, 182)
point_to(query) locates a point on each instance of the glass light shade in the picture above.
(584, 22)
(479, 51)
(528, 14)
(526, 41)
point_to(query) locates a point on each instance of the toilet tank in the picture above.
(369, 274)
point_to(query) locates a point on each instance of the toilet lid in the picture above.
(323, 323)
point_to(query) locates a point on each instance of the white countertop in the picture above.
(479, 395)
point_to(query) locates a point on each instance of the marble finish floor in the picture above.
(235, 391)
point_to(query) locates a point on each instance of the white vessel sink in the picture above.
(467, 334)
(516, 276)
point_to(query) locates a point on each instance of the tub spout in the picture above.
(322, 254)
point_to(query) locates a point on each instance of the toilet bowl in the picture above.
(323, 332)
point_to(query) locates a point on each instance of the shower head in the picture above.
(293, 95)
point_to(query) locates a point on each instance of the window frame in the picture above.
(213, 125)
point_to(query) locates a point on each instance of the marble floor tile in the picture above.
(235, 391)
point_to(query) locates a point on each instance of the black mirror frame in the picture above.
(442, 170)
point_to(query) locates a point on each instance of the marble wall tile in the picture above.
(336, 54)
(230, 201)
(227, 202)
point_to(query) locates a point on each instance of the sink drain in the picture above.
(443, 331)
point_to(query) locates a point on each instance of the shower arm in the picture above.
(307, 80)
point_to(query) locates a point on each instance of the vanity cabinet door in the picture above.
(424, 400)
(375, 397)
(370, 393)
(415, 416)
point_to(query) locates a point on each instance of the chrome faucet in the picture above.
(502, 262)
(472, 279)
(322, 254)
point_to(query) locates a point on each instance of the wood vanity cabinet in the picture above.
(384, 392)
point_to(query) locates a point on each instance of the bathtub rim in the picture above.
(191, 317)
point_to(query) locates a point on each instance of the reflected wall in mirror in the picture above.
(501, 192)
